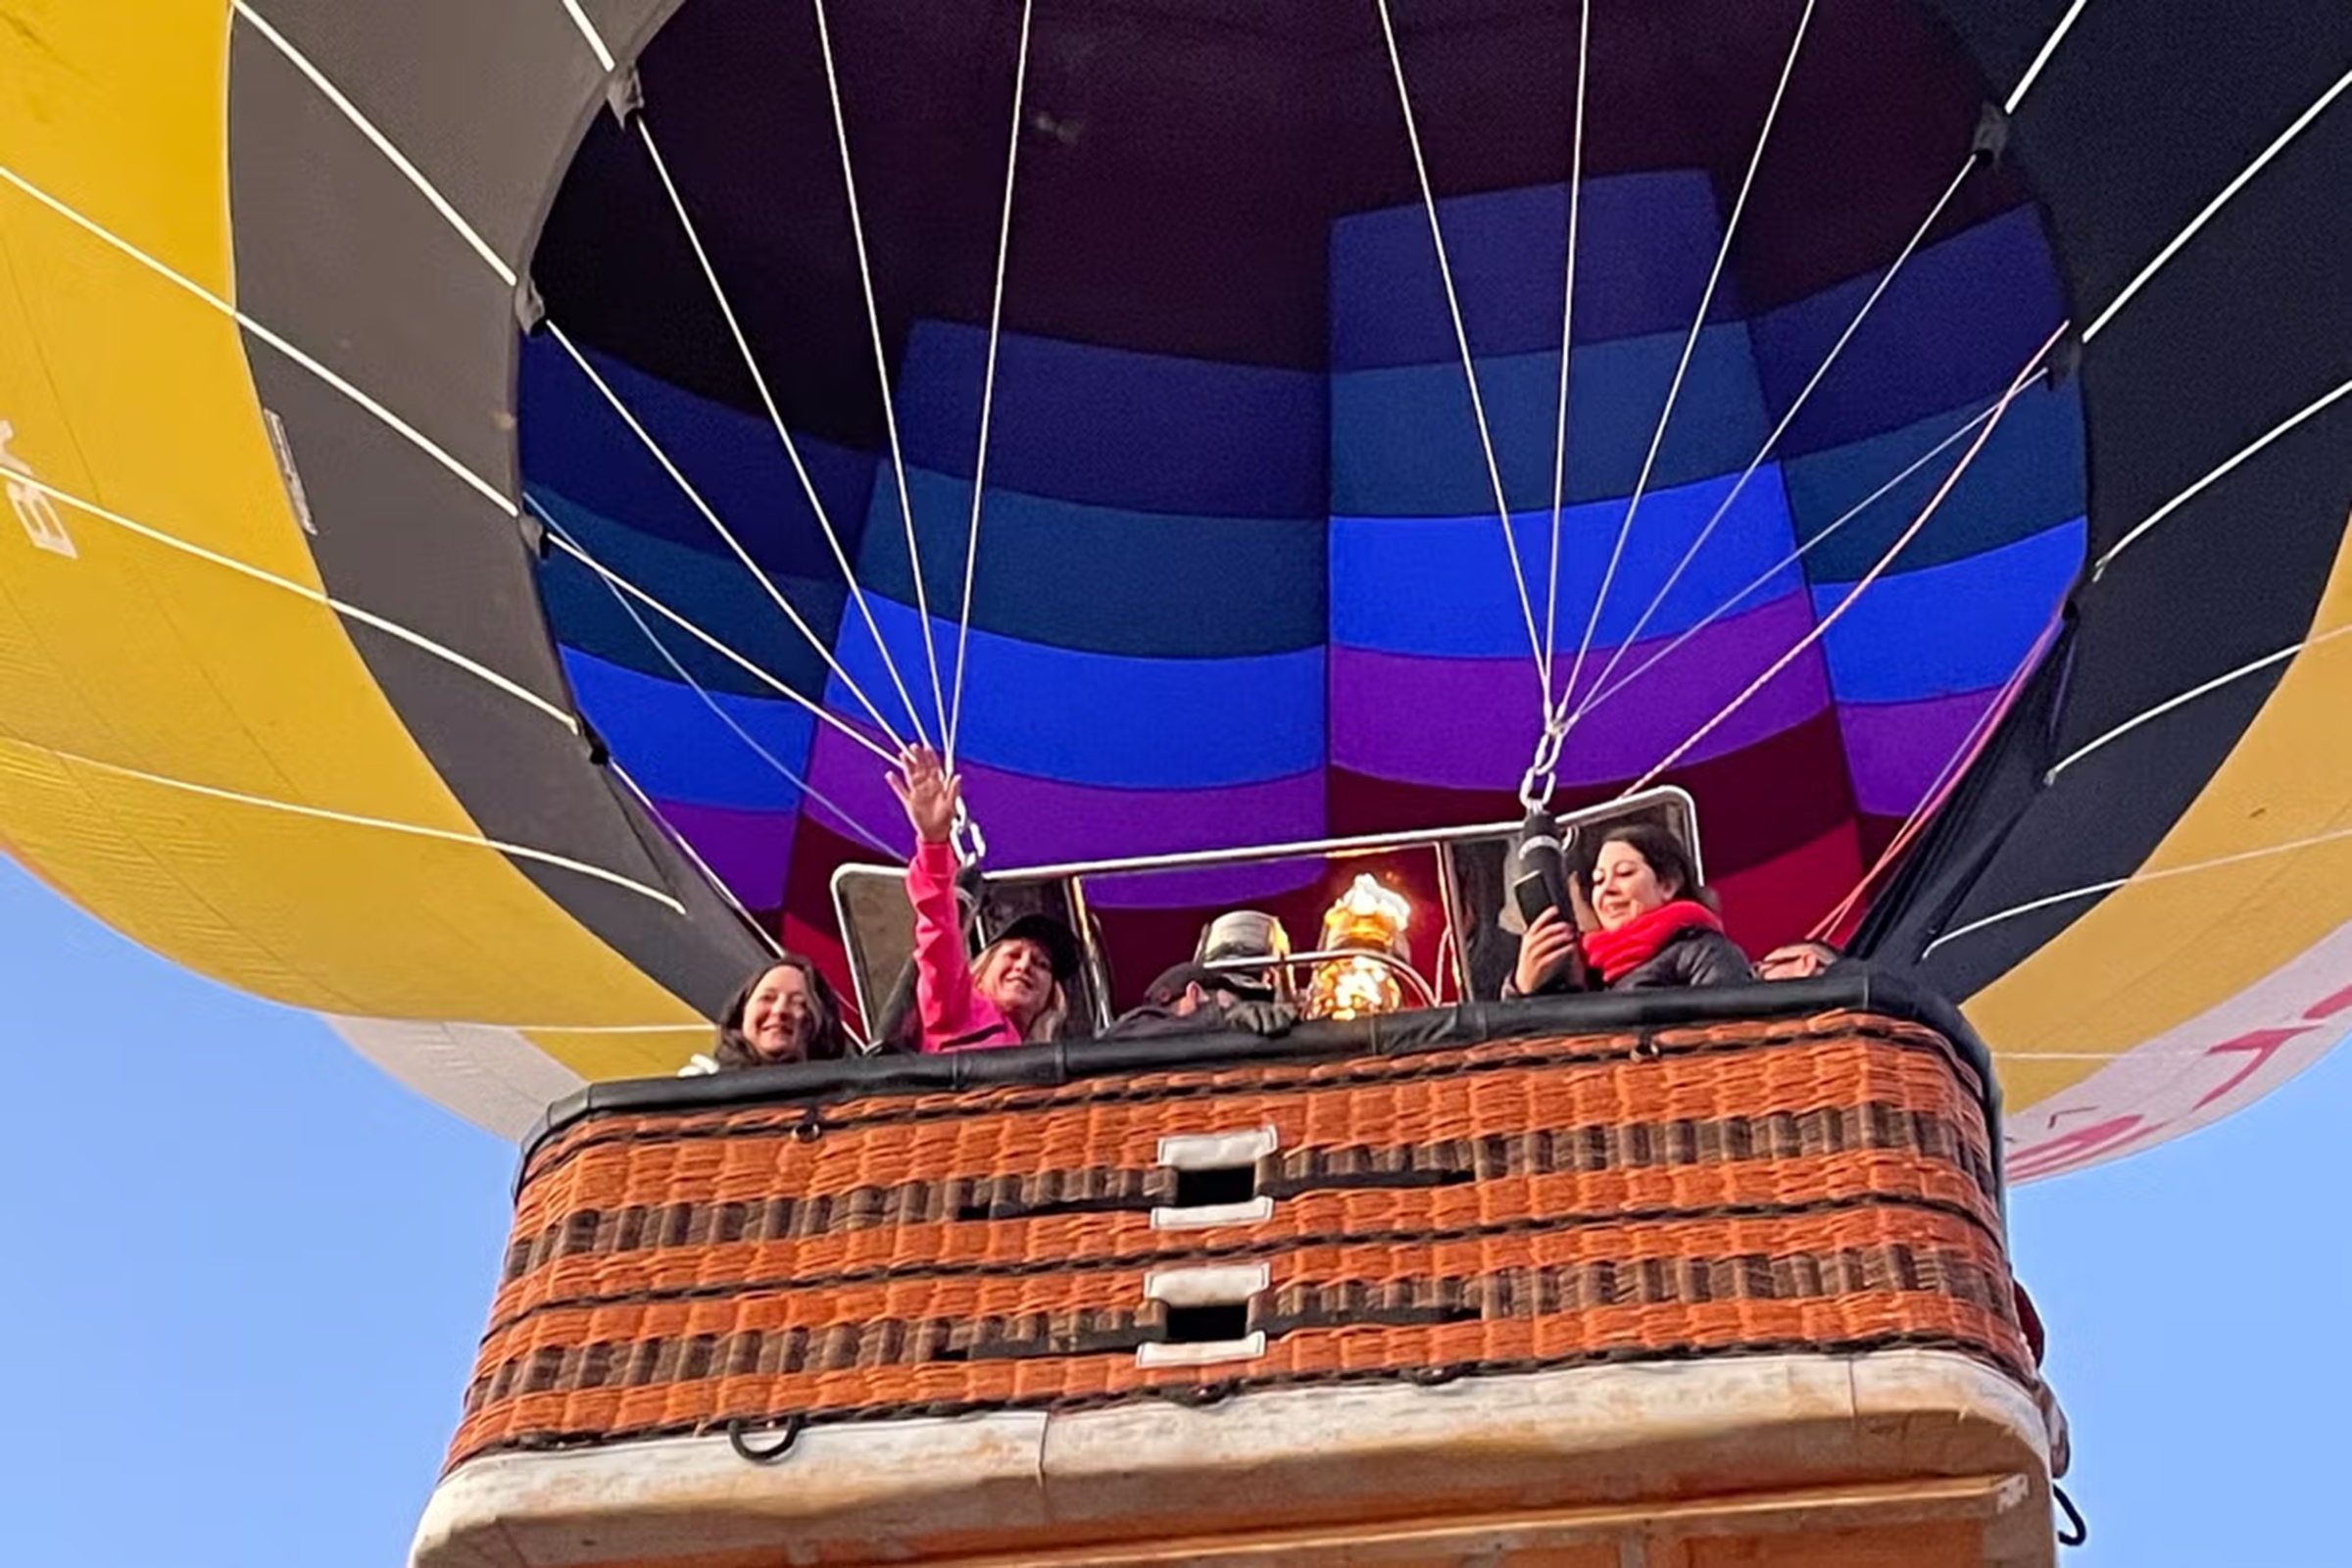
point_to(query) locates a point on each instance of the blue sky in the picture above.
(245, 1273)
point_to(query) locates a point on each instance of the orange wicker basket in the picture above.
(1064, 1228)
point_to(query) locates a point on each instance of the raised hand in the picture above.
(927, 791)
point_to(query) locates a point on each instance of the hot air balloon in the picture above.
(493, 483)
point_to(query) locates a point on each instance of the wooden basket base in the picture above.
(1912, 1457)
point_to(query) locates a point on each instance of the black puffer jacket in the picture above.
(1693, 957)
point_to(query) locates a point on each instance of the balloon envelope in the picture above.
(1237, 569)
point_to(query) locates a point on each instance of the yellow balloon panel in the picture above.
(602, 1054)
(129, 392)
(413, 921)
(152, 365)
(2170, 947)
(121, 103)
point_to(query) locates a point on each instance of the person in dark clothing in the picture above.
(1195, 998)
(1653, 924)
(786, 1012)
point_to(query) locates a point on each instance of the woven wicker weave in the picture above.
(1796, 1184)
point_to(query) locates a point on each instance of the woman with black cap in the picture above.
(1012, 993)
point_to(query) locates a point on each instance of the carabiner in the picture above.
(965, 838)
(1545, 770)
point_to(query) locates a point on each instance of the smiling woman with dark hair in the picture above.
(786, 1012)
(1654, 925)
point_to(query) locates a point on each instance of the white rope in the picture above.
(694, 857)
(1712, 617)
(890, 416)
(303, 591)
(520, 851)
(727, 308)
(595, 41)
(2094, 889)
(390, 421)
(1699, 322)
(717, 711)
(1461, 338)
(2324, 400)
(506, 274)
(953, 725)
(1821, 628)
(1559, 438)
(2183, 699)
(686, 486)
(2049, 47)
(382, 143)
(2262, 161)
(1764, 451)
(1931, 797)
(717, 647)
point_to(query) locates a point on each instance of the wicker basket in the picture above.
(1825, 1183)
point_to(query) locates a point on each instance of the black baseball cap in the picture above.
(1172, 981)
(1060, 944)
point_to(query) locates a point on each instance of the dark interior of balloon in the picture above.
(1239, 576)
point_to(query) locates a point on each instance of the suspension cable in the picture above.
(352, 392)
(2023, 377)
(2113, 884)
(988, 389)
(823, 714)
(776, 416)
(686, 486)
(382, 143)
(1793, 558)
(1699, 322)
(2049, 47)
(2220, 470)
(2183, 699)
(694, 858)
(678, 669)
(1931, 798)
(593, 39)
(457, 223)
(1461, 338)
(2173, 248)
(890, 416)
(321, 813)
(1559, 438)
(16, 479)
(1764, 451)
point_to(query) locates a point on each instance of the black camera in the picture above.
(1539, 868)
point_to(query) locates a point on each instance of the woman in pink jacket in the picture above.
(1013, 993)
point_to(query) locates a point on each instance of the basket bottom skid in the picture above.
(1911, 1458)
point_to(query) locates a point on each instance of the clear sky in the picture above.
(244, 1274)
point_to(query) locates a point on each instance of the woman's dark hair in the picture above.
(1668, 861)
(827, 1042)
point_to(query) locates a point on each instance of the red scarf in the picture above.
(1619, 953)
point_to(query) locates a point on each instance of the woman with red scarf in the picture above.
(1651, 928)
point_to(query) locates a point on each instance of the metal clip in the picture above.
(1543, 774)
(794, 1425)
(965, 838)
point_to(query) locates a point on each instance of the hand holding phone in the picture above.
(1548, 955)
(1548, 948)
